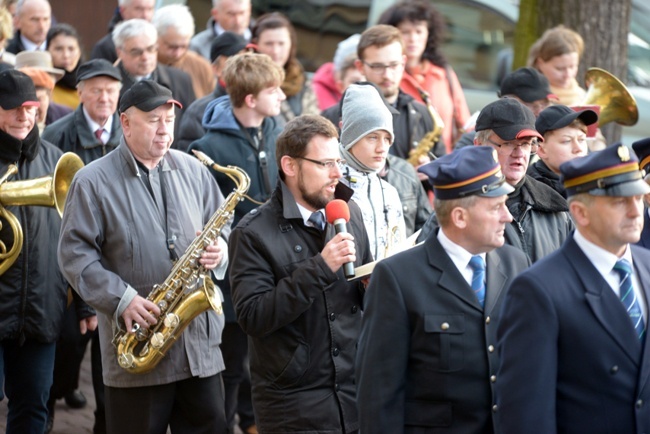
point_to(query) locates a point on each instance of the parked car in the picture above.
(479, 43)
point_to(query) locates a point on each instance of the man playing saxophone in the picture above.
(129, 216)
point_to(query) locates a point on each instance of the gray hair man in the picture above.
(175, 26)
(227, 16)
(32, 22)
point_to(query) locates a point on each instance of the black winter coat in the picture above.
(303, 321)
(72, 133)
(33, 293)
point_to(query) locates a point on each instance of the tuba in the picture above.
(426, 143)
(48, 190)
(187, 292)
(616, 103)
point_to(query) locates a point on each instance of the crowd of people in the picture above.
(511, 275)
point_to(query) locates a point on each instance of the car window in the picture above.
(479, 40)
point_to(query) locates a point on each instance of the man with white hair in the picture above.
(126, 10)
(32, 22)
(137, 51)
(227, 15)
(175, 26)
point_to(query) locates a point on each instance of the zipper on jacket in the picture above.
(23, 290)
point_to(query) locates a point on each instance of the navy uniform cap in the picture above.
(642, 150)
(614, 171)
(471, 170)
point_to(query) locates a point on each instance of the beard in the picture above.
(318, 199)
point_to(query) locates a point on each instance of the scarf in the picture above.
(15, 150)
(353, 162)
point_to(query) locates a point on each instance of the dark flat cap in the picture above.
(96, 68)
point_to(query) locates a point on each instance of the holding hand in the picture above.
(142, 312)
(212, 255)
(339, 250)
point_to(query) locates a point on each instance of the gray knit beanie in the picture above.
(364, 111)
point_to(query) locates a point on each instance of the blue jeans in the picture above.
(28, 373)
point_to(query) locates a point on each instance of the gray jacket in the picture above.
(113, 246)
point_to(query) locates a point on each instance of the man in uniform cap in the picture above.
(573, 341)
(128, 217)
(33, 291)
(642, 150)
(426, 358)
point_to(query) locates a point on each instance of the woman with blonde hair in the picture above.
(556, 54)
(6, 33)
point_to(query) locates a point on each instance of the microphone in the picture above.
(338, 214)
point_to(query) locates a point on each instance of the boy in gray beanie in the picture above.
(366, 136)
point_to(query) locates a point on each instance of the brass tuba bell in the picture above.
(48, 190)
(616, 103)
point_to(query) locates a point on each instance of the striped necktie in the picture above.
(628, 296)
(477, 264)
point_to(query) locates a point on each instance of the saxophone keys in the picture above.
(125, 360)
(157, 340)
(171, 320)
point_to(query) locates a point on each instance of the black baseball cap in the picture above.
(226, 44)
(509, 119)
(559, 116)
(17, 90)
(527, 84)
(147, 95)
(96, 68)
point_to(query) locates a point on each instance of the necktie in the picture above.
(628, 296)
(318, 220)
(98, 134)
(478, 279)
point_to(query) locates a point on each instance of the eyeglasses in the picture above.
(137, 52)
(508, 148)
(380, 68)
(328, 164)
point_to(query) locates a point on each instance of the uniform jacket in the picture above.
(413, 123)
(415, 203)
(381, 209)
(179, 82)
(72, 134)
(114, 247)
(570, 358)
(426, 350)
(302, 320)
(33, 293)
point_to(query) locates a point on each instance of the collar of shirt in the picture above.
(106, 134)
(305, 213)
(604, 262)
(458, 255)
(30, 46)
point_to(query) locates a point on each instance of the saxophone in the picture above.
(187, 292)
(431, 138)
